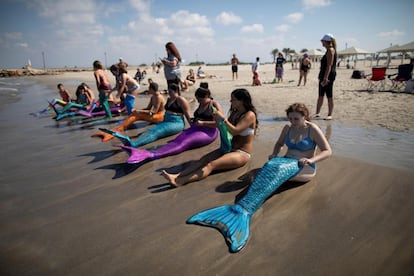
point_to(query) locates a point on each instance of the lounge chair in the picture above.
(376, 79)
(399, 80)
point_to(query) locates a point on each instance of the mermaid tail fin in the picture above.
(106, 136)
(124, 138)
(137, 155)
(233, 221)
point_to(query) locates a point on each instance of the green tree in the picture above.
(274, 53)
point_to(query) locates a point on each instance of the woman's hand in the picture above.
(305, 161)
(219, 115)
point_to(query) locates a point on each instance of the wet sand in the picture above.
(69, 205)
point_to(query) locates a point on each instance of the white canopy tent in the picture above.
(354, 52)
(404, 49)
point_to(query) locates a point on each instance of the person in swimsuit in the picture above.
(327, 75)
(104, 87)
(203, 131)
(241, 123)
(234, 66)
(128, 84)
(171, 63)
(301, 137)
(305, 65)
(153, 113)
(176, 108)
(190, 80)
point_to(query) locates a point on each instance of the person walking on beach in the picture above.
(301, 138)
(242, 124)
(255, 71)
(171, 63)
(327, 75)
(234, 66)
(104, 87)
(305, 65)
(280, 60)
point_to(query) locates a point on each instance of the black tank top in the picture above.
(173, 107)
(206, 115)
(324, 65)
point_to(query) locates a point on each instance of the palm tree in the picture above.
(286, 51)
(274, 53)
(304, 50)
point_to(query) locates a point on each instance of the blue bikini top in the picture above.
(303, 145)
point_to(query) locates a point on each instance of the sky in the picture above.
(59, 33)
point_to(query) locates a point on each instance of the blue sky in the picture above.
(77, 32)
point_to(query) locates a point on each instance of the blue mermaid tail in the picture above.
(233, 221)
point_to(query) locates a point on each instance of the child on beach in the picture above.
(104, 87)
(153, 113)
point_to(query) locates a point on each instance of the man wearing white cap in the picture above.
(327, 75)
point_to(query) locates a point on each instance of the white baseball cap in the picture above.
(327, 37)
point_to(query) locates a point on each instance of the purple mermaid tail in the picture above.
(137, 155)
(193, 137)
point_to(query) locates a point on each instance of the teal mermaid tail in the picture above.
(233, 221)
(124, 138)
(171, 125)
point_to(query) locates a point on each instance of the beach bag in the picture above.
(357, 74)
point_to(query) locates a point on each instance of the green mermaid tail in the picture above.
(233, 221)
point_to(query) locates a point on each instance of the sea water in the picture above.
(375, 145)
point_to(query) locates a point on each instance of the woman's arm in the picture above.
(323, 145)
(186, 108)
(247, 120)
(122, 86)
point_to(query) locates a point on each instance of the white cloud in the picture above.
(282, 28)
(23, 45)
(13, 36)
(309, 4)
(294, 17)
(228, 18)
(142, 6)
(255, 28)
(392, 33)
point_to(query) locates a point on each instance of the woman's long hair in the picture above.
(243, 95)
(171, 46)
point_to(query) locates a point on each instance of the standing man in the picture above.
(255, 71)
(234, 66)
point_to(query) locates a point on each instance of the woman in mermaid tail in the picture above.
(242, 124)
(202, 131)
(153, 113)
(176, 108)
(301, 138)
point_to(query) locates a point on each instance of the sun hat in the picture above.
(327, 37)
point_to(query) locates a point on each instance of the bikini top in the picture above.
(303, 145)
(173, 107)
(248, 131)
(206, 115)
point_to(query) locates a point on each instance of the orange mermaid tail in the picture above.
(135, 116)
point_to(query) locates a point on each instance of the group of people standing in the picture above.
(326, 76)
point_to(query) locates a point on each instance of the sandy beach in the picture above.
(69, 205)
